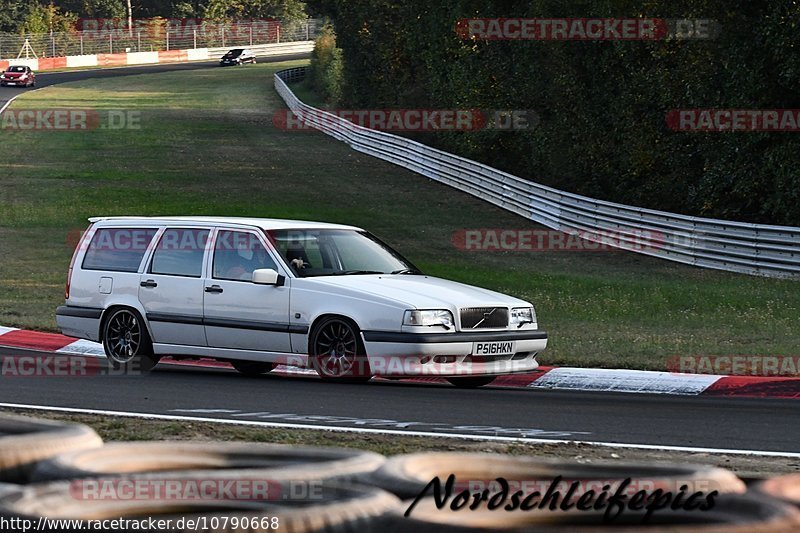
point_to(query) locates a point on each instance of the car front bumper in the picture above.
(450, 354)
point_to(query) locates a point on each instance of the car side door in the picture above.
(238, 313)
(171, 288)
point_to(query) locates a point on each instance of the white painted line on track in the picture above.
(463, 436)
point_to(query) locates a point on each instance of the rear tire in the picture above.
(471, 382)
(252, 368)
(127, 343)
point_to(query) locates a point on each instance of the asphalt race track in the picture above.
(423, 408)
(690, 421)
(45, 79)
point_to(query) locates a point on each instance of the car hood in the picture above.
(14, 74)
(422, 292)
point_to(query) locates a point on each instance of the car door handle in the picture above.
(214, 288)
(149, 284)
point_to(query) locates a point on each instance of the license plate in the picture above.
(10, 83)
(493, 348)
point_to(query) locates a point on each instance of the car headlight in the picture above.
(522, 315)
(430, 317)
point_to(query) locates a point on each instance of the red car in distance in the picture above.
(18, 76)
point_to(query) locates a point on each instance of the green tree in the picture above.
(47, 18)
(325, 73)
(11, 15)
(288, 10)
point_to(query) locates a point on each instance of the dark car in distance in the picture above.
(237, 56)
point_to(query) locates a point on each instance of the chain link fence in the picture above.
(156, 37)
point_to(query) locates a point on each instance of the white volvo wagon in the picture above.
(262, 292)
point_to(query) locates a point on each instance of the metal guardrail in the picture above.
(265, 50)
(754, 249)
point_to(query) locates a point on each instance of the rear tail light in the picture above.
(81, 242)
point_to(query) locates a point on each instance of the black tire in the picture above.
(24, 442)
(472, 382)
(7, 489)
(215, 460)
(127, 343)
(785, 487)
(336, 351)
(252, 368)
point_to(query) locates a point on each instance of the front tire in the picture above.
(471, 382)
(126, 342)
(337, 353)
(252, 368)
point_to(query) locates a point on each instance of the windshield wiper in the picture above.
(407, 271)
(348, 272)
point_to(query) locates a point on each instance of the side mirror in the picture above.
(268, 276)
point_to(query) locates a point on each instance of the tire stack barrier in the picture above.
(219, 460)
(46, 467)
(26, 441)
(785, 488)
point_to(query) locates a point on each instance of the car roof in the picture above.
(263, 223)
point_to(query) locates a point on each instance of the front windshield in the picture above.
(234, 53)
(334, 252)
(16, 69)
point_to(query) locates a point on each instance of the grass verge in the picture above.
(205, 144)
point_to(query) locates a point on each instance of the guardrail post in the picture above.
(110, 43)
(81, 43)
(167, 43)
(194, 38)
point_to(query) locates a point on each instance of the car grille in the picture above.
(484, 317)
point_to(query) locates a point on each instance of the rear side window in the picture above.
(117, 249)
(180, 253)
